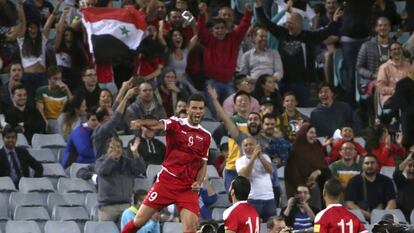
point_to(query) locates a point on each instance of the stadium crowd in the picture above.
(298, 91)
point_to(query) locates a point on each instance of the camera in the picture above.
(297, 201)
(392, 228)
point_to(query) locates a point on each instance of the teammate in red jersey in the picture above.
(241, 217)
(335, 218)
(183, 169)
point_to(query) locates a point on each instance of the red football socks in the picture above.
(130, 227)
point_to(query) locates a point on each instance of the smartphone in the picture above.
(187, 16)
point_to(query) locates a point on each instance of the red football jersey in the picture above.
(242, 217)
(337, 219)
(186, 146)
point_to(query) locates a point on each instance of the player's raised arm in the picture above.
(152, 124)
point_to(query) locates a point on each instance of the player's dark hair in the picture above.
(53, 70)
(195, 97)
(268, 116)
(17, 87)
(239, 93)
(241, 187)
(370, 156)
(328, 85)
(333, 187)
(139, 195)
(271, 221)
(91, 112)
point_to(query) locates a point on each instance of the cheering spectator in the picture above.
(257, 167)
(51, 99)
(370, 190)
(277, 224)
(297, 63)
(169, 91)
(220, 161)
(79, 147)
(290, 120)
(145, 104)
(306, 164)
(347, 135)
(221, 50)
(89, 89)
(347, 167)
(242, 83)
(207, 197)
(391, 72)
(106, 100)
(378, 143)
(265, 87)
(180, 106)
(72, 115)
(26, 119)
(261, 60)
(299, 213)
(16, 161)
(16, 73)
(405, 184)
(330, 114)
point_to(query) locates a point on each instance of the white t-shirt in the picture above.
(29, 61)
(260, 179)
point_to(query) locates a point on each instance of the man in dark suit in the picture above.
(15, 161)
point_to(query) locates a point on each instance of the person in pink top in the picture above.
(379, 144)
(391, 72)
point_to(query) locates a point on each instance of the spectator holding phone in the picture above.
(298, 213)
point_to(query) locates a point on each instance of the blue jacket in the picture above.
(79, 147)
(149, 227)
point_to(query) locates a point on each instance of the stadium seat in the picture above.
(142, 183)
(400, 5)
(210, 126)
(412, 217)
(22, 141)
(387, 171)
(30, 185)
(76, 213)
(337, 67)
(7, 185)
(61, 227)
(35, 213)
(22, 227)
(218, 185)
(152, 171)
(54, 171)
(358, 213)
(74, 185)
(100, 227)
(4, 210)
(91, 204)
(217, 214)
(222, 201)
(212, 172)
(74, 168)
(125, 139)
(26, 199)
(4, 78)
(368, 227)
(377, 214)
(1, 137)
(306, 111)
(172, 227)
(48, 141)
(65, 199)
(43, 155)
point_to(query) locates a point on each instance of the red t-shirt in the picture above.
(337, 219)
(242, 217)
(187, 145)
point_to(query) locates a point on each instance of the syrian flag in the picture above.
(113, 32)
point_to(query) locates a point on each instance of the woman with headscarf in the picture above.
(306, 163)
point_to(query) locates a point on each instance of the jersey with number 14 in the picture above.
(241, 217)
(337, 219)
(186, 146)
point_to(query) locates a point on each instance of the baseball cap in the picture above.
(266, 100)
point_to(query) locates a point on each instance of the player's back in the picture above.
(242, 217)
(337, 219)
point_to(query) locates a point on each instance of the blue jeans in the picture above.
(229, 176)
(265, 208)
(223, 89)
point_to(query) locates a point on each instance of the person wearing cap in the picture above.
(266, 89)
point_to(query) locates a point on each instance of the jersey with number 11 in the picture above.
(241, 217)
(337, 219)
